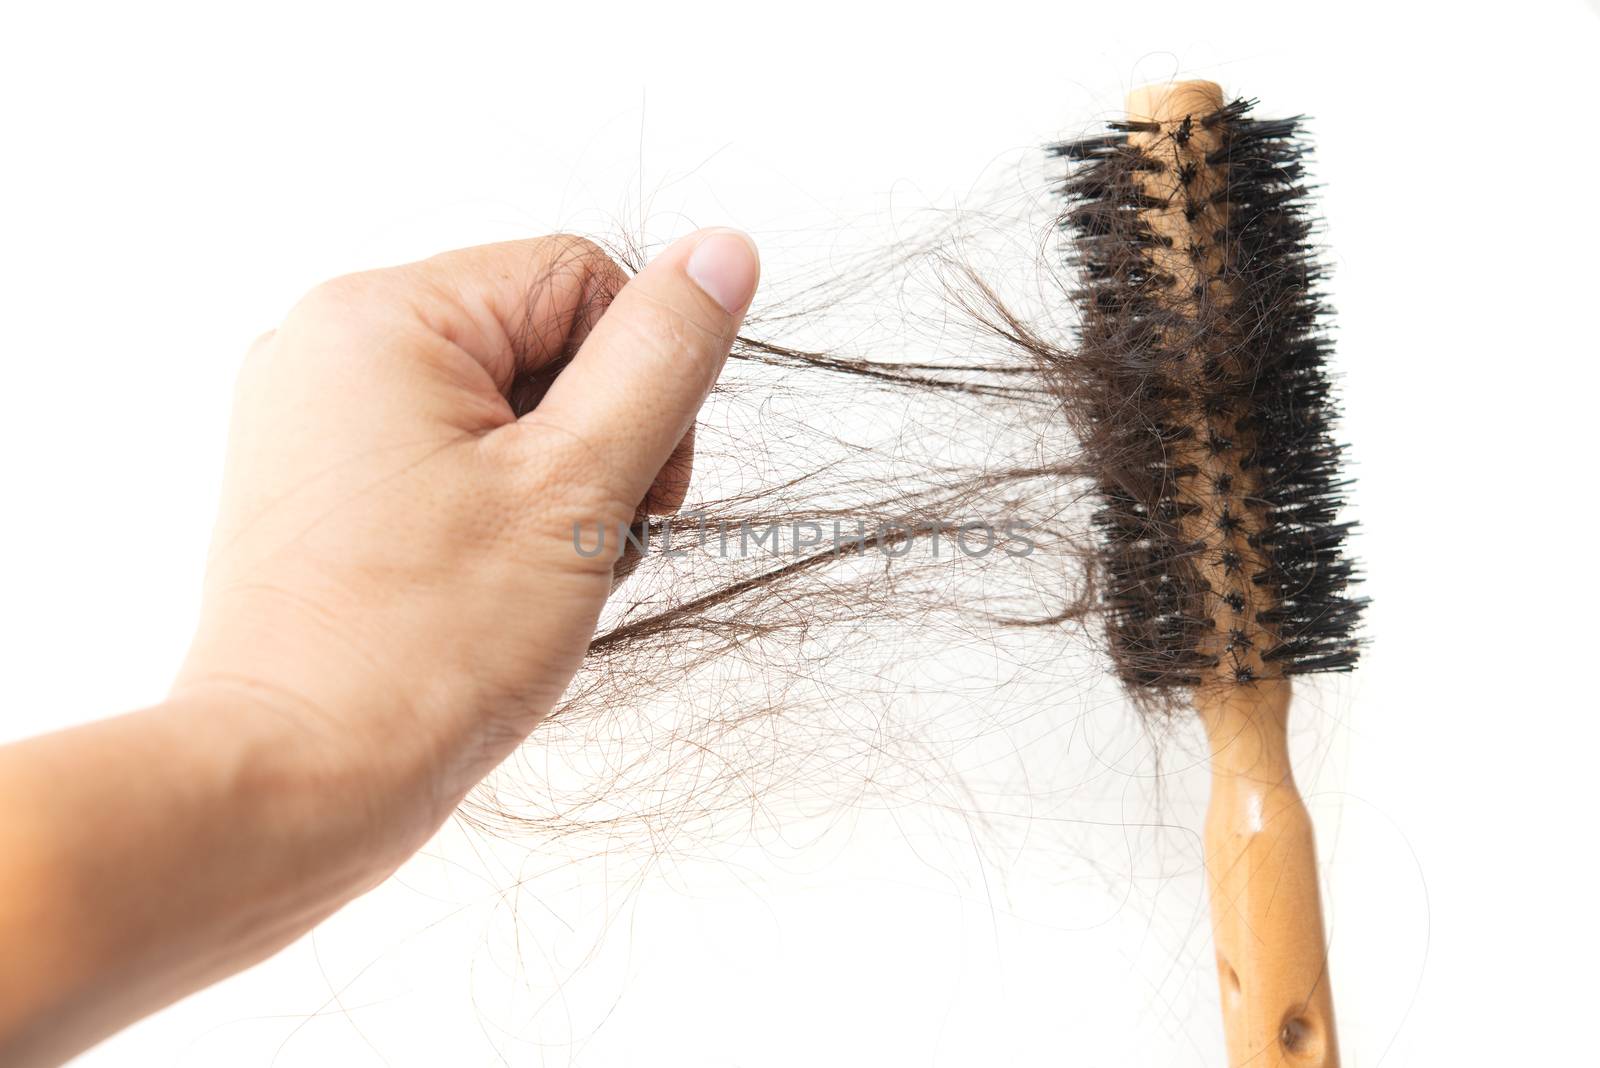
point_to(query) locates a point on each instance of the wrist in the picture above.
(303, 776)
(326, 724)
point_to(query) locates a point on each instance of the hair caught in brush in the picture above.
(1017, 385)
(1207, 414)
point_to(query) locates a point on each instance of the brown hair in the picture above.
(991, 398)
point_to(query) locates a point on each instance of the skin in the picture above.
(392, 602)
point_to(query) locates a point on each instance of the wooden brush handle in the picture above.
(1266, 910)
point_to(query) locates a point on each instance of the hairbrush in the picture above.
(1199, 391)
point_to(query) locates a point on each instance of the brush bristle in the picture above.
(1205, 406)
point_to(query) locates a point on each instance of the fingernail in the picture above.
(724, 264)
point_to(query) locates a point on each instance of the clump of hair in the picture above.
(897, 397)
(1199, 393)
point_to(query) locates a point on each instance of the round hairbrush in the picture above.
(1199, 392)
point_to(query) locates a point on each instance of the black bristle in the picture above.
(1088, 147)
(1243, 373)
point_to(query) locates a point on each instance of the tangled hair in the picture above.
(1200, 395)
(720, 681)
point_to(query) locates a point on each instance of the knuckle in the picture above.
(580, 260)
(339, 297)
(573, 248)
(595, 276)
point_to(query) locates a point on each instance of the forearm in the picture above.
(145, 856)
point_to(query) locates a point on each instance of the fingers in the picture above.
(616, 367)
(513, 306)
(671, 486)
(631, 393)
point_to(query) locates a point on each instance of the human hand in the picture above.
(393, 572)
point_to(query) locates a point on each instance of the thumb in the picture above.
(632, 391)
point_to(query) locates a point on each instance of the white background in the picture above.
(174, 177)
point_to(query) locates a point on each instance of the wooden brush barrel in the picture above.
(1260, 853)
